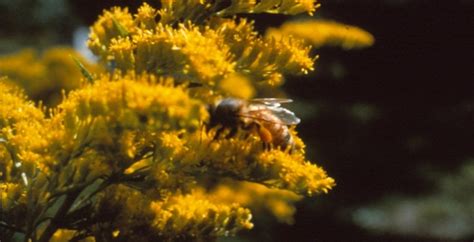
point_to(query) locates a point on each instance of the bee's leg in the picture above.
(202, 128)
(291, 149)
(231, 133)
(289, 144)
(265, 136)
(266, 146)
(251, 127)
(218, 133)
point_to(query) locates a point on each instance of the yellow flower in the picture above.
(22, 130)
(14, 107)
(44, 76)
(131, 149)
(126, 114)
(126, 210)
(185, 53)
(121, 51)
(243, 156)
(195, 216)
(134, 101)
(260, 59)
(11, 194)
(294, 173)
(204, 55)
(173, 11)
(259, 198)
(237, 86)
(13, 200)
(31, 78)
(145, 17)
(111, 24)
(322, 32)
(290, 7)
(67, 234)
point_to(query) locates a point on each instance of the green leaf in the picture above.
(83, 69)
(122, 31)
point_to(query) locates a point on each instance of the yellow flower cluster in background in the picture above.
(43, 75)
(323, 32)
(260, 198)
(131, 149)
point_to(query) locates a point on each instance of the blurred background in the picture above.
(393, 123)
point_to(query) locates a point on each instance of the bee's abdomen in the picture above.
(282, 137)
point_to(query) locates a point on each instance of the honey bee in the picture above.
(265, 116)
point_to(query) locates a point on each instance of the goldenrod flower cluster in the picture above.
(128, 154)
(195, 52)
(323, 32)
(259, 198)
(43, 75)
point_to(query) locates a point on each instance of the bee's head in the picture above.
(225, 112)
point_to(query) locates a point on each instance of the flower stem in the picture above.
(61, 213)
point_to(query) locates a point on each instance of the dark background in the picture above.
(418, 81)
(382, 119)
(400, 109)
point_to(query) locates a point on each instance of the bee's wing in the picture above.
(286, 116)
(272, 105)
(271, 101)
